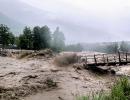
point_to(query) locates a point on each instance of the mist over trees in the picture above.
(41, 38)
(112, 48)
(74, 47)
(38, 38)
(35, 38)
(124, 46)
(108, 47)
(58, 40)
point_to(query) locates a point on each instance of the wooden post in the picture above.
(79, 59)
(107, 60)
(103, 58)
(95, 59)
(126, 58)
(115, 59)
(86, 61)
(119, 58)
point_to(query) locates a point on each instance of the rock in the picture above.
(60, 98)
(85, 87)
(75, 76)
(55, 70)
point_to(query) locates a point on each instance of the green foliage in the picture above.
(41, 37)
(50, 83)
(12, 39)
(99, 96)
(83, 98)
(25, 40)
(38, 38)
(120, 91)
(6, 37)
(28, 35)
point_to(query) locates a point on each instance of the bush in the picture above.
(65, 59)
(50, 83)
(120, 91)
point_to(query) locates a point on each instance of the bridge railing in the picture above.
(119, 58)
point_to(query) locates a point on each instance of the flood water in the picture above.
(51, 95)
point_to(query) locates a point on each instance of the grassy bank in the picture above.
(120, 91)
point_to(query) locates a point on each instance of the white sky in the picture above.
(108, 7)
(92, 20)
(111, 16)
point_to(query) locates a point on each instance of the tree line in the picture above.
(115, 47)
(36, 38)
(108, 47)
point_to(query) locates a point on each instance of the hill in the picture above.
(14, 26)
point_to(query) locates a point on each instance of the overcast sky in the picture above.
(80, 20)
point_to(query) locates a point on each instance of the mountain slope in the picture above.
(23, 13)
(14, 26)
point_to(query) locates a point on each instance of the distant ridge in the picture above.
(14, 26)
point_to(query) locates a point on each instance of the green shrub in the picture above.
(120, 91)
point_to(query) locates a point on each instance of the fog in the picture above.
(80, 20)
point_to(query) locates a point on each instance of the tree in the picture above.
(58, 43)
(5, 36)
(124, 47)
(112, 48)
(25, 39)
(28, 37)
(41, 37)
(36, 38)
(12, 38)
(22, 42)
(45, 36)
(17, 41)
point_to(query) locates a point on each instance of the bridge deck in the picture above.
(107, 59)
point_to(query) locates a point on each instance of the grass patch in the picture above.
(120, 91)
(50, 83)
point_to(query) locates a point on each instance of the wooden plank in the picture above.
(126, 57)
(95, 59)
(119, 58)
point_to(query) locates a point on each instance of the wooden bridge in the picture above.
(121, 58)
(103, 63)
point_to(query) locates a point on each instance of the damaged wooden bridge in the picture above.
(121, 58)
(103, 62)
